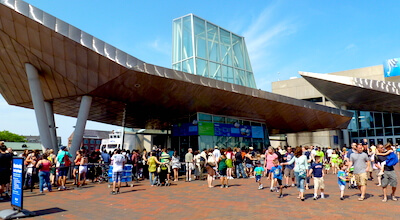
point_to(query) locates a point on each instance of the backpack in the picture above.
(211, 160)
(66, 160)
(391, 159)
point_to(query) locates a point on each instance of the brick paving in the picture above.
(193, 200)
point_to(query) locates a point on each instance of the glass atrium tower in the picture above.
(202, 48)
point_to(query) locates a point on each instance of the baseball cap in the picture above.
(63, 147)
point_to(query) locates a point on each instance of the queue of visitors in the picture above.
(282, 167)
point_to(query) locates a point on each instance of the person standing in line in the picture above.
(63, 158)
(118, 161)
(5, 169)
(239, 164)
(166, 160)
(176, 165)
(75, 171)
(222, 167)
(360, 161)
(211, 165)
(152, 167)
(229, 162)
(83, 168)
(189, 164)
(44, 166)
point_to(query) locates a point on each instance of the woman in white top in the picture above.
(300, 170)
(176, 165)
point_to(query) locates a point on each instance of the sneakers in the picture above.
(322, 196)
(341, 198)
(252, 177)
(293, 185)
(280, 196)
(277, 189)
(226, 186)
(222, 186)
(315, 198)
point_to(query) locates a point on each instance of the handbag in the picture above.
(302, 174)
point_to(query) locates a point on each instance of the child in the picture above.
(391, 159)
(317, 171)
(258, 172)
(327, 166)
(352, 179)
(277, 175)
(222, 167)
(342, 179)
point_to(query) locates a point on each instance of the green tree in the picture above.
(11, 137)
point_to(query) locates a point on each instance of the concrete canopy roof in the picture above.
(357, 93)
(73, 63)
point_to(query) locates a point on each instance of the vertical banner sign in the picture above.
(17, 183)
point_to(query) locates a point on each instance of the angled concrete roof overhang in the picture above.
(73, 63)
(357, 93)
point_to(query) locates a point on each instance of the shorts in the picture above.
(319, 183)
(83, 169)
(5, 175)
(189, 166)
(222, 173)
(258, 178)
(361, 179)
(210, 171)
(117, 176)
(249, 165)
(229, 163)
(389, 178)
(342, 187)
(63, 171)
(76, 167)
(288, 172)
(268, 172)
(279, 181)
(168, 167)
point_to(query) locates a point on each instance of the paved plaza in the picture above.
(193, 200)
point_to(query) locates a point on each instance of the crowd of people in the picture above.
(282, 167)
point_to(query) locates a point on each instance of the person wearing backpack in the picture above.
(210, 164)
(64, 161)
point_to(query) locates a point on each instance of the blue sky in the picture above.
(282, 37)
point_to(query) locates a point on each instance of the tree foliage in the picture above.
(11, 137)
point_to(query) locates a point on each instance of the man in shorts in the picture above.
(389, 177)
(189, 164)
(118, 162)
(361, 163)
(288, 171)
(63, 158)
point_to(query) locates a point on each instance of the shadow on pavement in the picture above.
(133, 190)
(48, 211)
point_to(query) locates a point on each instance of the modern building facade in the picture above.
(370, 93)
(55, 68)
(205, 49)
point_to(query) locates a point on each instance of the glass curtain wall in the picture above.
(376, 127)
(202, 48)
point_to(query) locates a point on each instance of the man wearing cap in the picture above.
(63, 159)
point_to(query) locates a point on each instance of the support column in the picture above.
(346, 138)
(52, 125)
(38, 105)
(80, 124)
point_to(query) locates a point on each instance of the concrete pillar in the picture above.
(80, 124)
(52, 124)
(38, 105)
(346, 138)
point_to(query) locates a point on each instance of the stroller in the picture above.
(161, 176)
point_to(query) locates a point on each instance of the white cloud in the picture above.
(266, 30)
(160, 46)
(350, 47)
